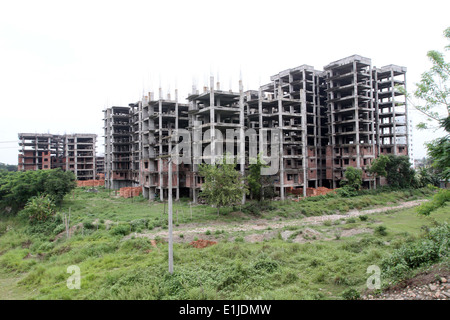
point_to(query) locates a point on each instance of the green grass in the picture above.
(113, 268)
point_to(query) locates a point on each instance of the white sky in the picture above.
(62, 63)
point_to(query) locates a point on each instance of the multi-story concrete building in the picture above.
(74, 152)
(323, 122)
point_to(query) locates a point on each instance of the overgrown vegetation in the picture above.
(224, 185)
(396, 169)
(16, 188)
(438, 201)
(433, 91)
(116, 265)
(433, 247)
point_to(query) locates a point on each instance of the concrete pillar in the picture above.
(160, 169)
(212, 120)
(394, 125)
(241, 135)
(355, 92)
(304, 139)
(176, 147)
(280, 127)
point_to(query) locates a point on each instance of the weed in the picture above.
(381, 230)
(351, 294)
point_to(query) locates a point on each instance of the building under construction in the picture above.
(316, 122)
(73, 152)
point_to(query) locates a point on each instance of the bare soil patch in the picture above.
(188, 232)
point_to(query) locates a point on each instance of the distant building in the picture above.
(72, 152)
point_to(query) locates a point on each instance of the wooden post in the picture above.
(190, 206)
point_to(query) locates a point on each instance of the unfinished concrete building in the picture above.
(75, 152)
(118, 144)
(100, 167)
(216, 119)
(391, 111)
(158, 117)
(293, 103)
(325, 121)
(79, 155)
(351, 116)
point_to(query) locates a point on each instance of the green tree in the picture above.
(254, 178)
(8, 167)
(378, 167)
(426, 176)
(353, 179)
(439, 151)
(396, 169)
(17, 187)
(223, 184)
(39, 209)
(58, 183)
(433, 91)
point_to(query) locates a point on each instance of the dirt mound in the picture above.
(431, 284)
(202, 243)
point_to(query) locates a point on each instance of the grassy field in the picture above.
(115, 264)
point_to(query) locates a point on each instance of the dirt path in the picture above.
(186, 232)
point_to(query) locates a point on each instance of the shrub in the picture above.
(422, 252)
(351, 294)
(363, 218)
(39, 209)
(381, 230)
(337, 234)
(351, 220)
(139, 224)
(88, 225)
(438, 201)
(120, 230)
(346, 192)
(266, 265)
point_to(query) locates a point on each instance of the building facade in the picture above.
(316, 122)
(74, 152)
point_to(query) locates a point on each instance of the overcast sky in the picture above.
(63, 62)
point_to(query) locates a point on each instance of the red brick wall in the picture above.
(91, 183)
(129, 192)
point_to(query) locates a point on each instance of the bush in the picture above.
(39, 209)
(422, 252)
(266, 265)
(88, 225)
(139, 224)
(381, 230)
(16, 188)
(438, 201)
(327, 223)
(347, 192)
(351, 294)
(120, 230)
(363, 218)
